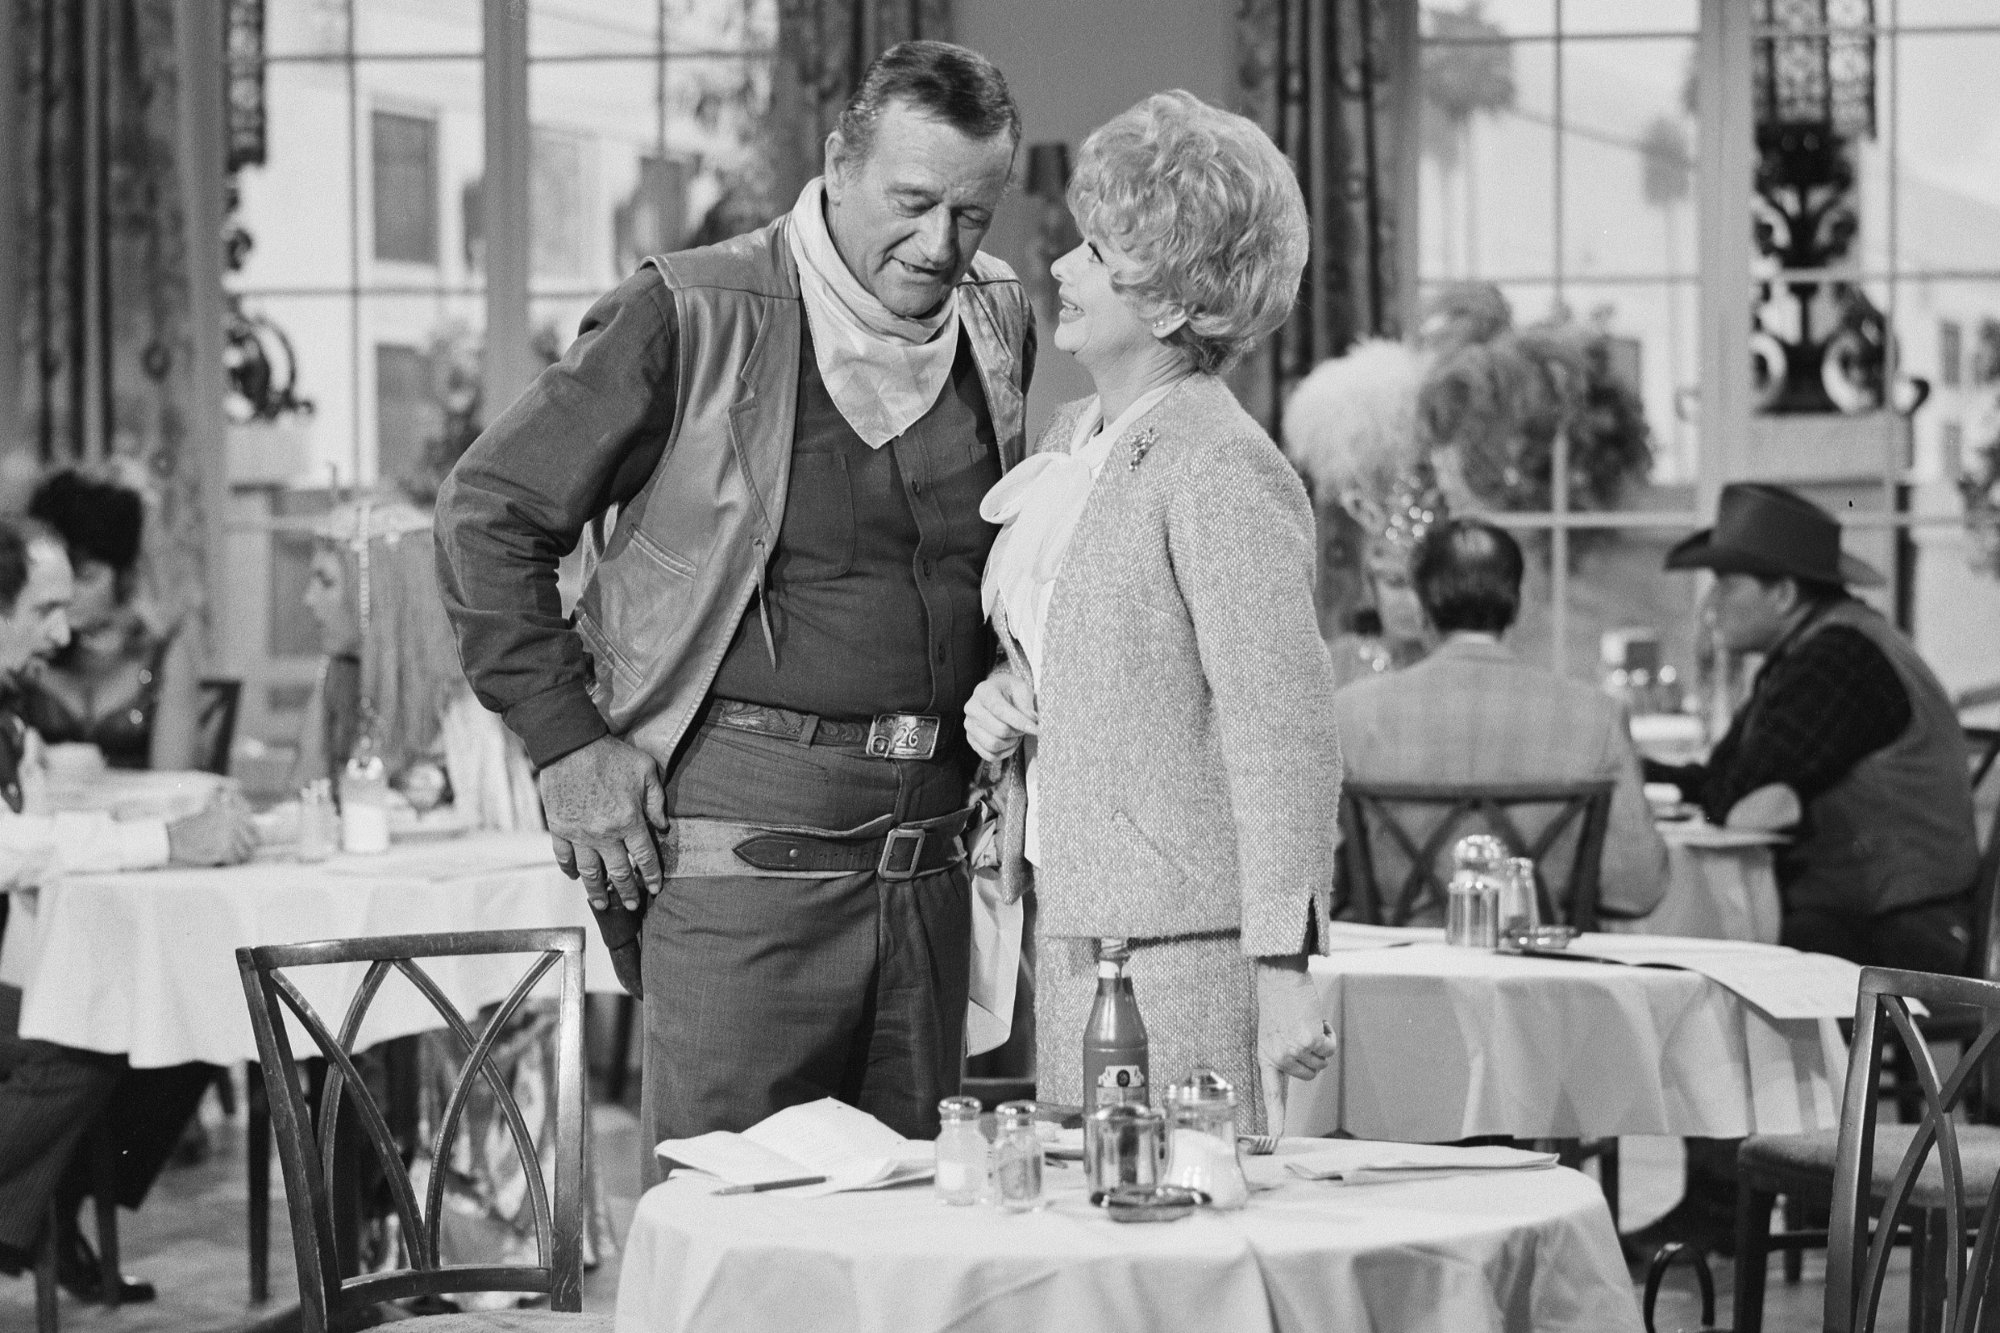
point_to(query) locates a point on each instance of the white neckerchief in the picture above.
(1038, 506)
(882, 370)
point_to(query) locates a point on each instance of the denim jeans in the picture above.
(764, 992)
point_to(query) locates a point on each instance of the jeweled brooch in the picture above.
(1142, 443)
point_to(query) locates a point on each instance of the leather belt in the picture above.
(700, 847)
(884, 736)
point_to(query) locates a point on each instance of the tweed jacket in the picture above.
(1474, 712)
(1188, 766)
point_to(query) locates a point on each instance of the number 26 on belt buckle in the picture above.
(903, 736)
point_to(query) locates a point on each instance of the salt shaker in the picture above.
(1202, 1153)
(1470, 911)
(1520, 912)
(364, 802)
(1017, 1159)
(961, 1152)
(1123, 1144)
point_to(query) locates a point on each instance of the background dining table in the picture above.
(1721, 884)
(142, 963)
(1507, 1252)
(1440, 1043)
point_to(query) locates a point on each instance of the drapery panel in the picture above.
(823, 47)
(1331, 80)
(108, 368)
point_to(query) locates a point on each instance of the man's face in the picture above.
(38, 624)
(910, 216)
(1750, 615)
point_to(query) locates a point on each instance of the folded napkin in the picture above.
(1362, 1161)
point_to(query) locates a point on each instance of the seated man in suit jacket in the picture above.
(1473, 712)
(51, 1095)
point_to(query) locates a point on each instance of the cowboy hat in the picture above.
(1775, 533)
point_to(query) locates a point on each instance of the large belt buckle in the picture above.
(903, 736)
(902, 849)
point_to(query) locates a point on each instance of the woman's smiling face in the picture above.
(1100, 325)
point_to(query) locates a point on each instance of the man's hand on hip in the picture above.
(603, 803)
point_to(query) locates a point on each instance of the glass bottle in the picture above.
(1115, 1059)
(961, 1152)
(319, 822)
(364, 801)
(1017, 1159)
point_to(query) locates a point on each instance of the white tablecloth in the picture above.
(1439, 1044)
(1720, 886)
(144, 963)
(1531, 1251)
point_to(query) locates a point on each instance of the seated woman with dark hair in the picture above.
(126, 683)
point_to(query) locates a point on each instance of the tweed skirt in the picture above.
(1197, 994)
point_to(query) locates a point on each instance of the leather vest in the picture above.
(673, 571)
(1898, 829)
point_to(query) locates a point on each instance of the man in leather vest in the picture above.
(748, 734)
(1848, 742)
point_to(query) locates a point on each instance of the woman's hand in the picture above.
(999, 713)
(1293, 1038)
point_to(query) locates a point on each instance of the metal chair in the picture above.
(1937, 1170)
(1476, 808)
(1928, 1185)
(333, 1301)
(1468, 808)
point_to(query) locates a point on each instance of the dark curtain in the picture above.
(105, 336)
(823, 47)
(1327, 79)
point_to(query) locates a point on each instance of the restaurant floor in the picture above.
(189, 1240)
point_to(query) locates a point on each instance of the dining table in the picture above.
(1722, 884)
(1614, 1035)
(142, 963)
(1505, 1252)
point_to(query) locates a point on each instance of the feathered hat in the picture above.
(1351, 428)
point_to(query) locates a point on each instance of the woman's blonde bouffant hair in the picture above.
(1210, 211)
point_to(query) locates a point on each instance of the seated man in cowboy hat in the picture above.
(1849, 741)
(1847, 727)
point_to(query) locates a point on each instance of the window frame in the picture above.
(1724, 48)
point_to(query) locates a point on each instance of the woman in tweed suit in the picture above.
(1166, 688)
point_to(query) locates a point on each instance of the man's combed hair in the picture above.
(1210, 211)
(962, 88)
(1468, 576)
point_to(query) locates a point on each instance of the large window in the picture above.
(383, 249)
(647, 117)
(1567, 163)
(1559, 172)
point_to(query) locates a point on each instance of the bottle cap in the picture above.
(1015, 1114)
(1478, 851)
(958, 1108)
(1202, 1085)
